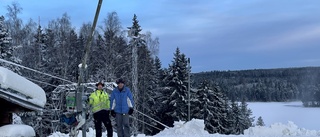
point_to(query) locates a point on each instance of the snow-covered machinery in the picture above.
(17, 94)
(63, 103)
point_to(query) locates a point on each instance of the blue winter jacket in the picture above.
(121, 101)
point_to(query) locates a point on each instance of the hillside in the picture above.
(281, 84)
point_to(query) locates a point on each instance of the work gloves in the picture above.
(130, 111)
(113, 113)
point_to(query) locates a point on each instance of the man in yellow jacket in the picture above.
(100, 104)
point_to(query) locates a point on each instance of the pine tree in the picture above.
(58, 35)
(163, 111)
(198, 104)
(75, 52)
(159, 96)
(235, 116)
(34, 55)
(241, 117)
(246, 119)
(150, 69)
(176, 81)
(98, 65)
(219, 114)
(159, 72)
(226, 119)
(215, 112)
(260, 122)
(147, 86)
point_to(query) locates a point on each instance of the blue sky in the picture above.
(215, 34)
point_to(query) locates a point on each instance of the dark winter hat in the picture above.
(120, 80)
(100, 83)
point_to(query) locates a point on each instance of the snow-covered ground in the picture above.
(284, 117)
(16, 130)
(273, 112)
(195, 128)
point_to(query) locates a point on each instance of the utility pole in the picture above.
(189, 70)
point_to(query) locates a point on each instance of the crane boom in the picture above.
(83, 68)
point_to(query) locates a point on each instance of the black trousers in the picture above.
(102, 117)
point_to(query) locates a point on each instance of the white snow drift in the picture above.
(17, 130)
(195, 128)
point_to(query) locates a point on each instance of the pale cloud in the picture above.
(297, 38)
(311, 61)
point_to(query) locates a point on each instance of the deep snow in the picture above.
(274, 115)
(195, 128)
(16, 130)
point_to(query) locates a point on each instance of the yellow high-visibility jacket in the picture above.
(99, 100)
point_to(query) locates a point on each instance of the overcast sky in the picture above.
(215, 34)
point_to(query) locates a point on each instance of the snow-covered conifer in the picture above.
(260, 122)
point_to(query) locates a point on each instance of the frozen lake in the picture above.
(275, 112)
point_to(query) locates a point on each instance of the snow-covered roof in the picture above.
(17, 89)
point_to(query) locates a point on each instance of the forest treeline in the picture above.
(282, 84)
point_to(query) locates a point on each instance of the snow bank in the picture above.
(279, 129)
(90, 133)
(195, 128)
(22, 89)
(17, 131)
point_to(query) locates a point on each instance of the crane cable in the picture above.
(145, 123)
(15, 64)
(41, 82)
(153, 119)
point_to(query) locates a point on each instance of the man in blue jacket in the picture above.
(121, 104)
